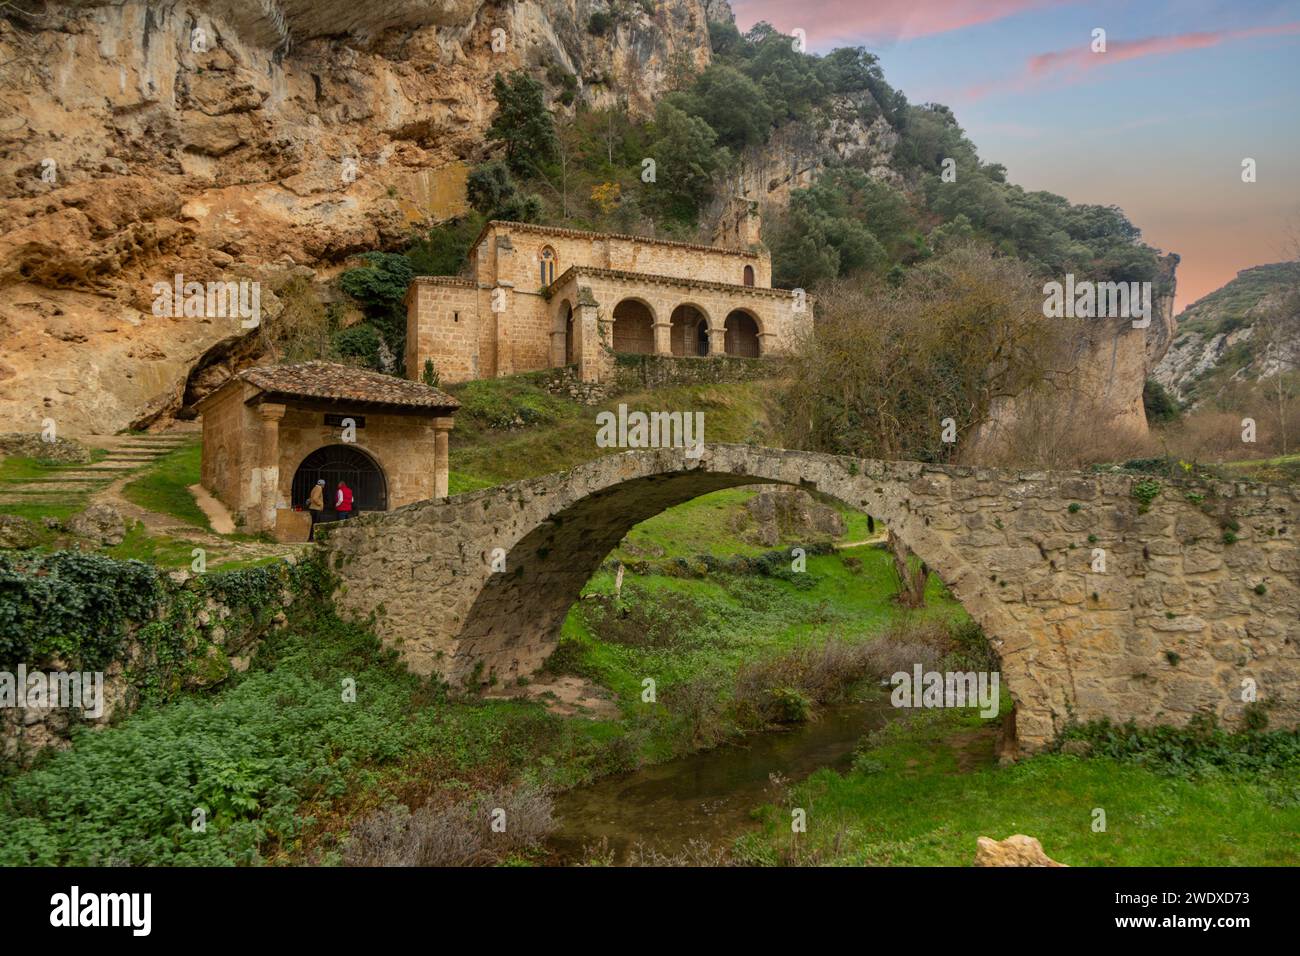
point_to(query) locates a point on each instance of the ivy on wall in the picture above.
(87, 611)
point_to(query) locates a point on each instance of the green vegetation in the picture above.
(164, 487)
(20, 470)
(251, 755)
(512, 428)
(1211, 811)
(521, 121)
(687, 630)
(1145, 491)
(1233, 305)
(379, 287)
(1159, 405)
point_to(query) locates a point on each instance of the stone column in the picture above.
(717, 340)
(557, 348)
(269, 470)
(592, 334)
(441, 461)
(663, 330)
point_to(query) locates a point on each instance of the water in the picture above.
(708, 796)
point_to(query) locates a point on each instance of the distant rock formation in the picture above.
(1215, 340)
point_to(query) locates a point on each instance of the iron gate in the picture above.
(337, 463)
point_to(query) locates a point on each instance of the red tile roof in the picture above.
(330, 380)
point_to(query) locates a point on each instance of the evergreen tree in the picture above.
(522, 121)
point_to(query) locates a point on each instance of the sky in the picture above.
(1158, 124)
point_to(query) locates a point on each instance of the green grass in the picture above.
(563, 433)
(178, 553)
(686, 628)
(16, 470)
(708, 525)
(164, 486)
(923, 792)
(1283, 468)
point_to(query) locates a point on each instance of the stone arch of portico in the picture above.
(740, 313)
(564, 331)
(704, 313)
(637, 335)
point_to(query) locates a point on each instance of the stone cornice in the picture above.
(621, 237)
(646, 278)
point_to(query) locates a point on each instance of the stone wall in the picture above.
(511, 253)
(633, 372)
(443, 324)
(197, 630)
(1187, 609)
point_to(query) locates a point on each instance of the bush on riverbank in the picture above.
(489, 828)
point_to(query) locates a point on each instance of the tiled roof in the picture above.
(329, 380)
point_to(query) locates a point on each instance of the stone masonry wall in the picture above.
(1187, 609)
(443, 324)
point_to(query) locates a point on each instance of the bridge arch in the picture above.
(480, 583)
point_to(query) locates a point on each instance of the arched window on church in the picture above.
(547, 262)
(749, 275)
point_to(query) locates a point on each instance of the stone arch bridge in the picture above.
(1201, 589)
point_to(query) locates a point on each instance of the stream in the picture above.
(710, 795)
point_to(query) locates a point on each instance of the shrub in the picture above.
(458, 835)
(1203, 746)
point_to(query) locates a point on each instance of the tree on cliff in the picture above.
(686, 156)
(492, 191)
(522, 122)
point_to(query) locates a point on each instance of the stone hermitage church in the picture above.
(535, 297)
(531, 298)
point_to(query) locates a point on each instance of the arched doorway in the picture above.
(742, 335)
(634, 328)
(690, 331)
(337, 463)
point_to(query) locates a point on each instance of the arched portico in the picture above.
(634, 322)
(743, 330)
(690, 330)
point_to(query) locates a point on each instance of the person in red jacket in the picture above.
(343, 501)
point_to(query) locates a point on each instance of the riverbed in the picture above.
(709, 796)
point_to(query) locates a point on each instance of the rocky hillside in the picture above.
(271, 141)
(1218, 340)
(249, 138)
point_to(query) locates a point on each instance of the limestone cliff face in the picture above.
(249, 139)
(793, 158)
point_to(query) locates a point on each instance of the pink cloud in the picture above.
(877, 20)
(1073, 63)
